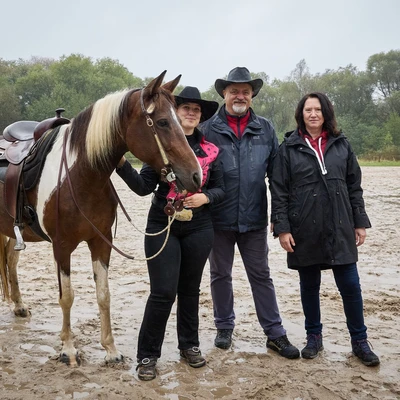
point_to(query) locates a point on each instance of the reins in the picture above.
(171, 219)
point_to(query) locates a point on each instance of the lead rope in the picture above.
(171, 219)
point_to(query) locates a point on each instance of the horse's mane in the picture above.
(94, 129)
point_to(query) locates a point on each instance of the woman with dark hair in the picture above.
(178, 269)
(319, 216)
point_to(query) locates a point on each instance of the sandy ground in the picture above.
(29, 366)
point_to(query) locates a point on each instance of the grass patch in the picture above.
(382, 163)
(133, 160)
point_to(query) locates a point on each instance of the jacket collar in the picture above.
(253, 127)
(199, 139)
(294, 138)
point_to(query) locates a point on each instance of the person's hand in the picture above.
(271, 228)
(121, 162)
(196, 200)
(361, 234)
(287, 242)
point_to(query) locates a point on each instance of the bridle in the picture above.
(166, 172)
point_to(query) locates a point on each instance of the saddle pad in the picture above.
(34, 163)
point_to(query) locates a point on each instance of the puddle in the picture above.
(170, 385)
(15, 387)
(219, 393)
(8, 371)
(92, 385)
(26, 346)
(41, 360)
(47, 349)
(77, 395)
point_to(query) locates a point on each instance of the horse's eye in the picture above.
(162, 123)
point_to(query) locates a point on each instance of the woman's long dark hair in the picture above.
(327, 111)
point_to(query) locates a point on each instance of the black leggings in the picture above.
(176, 272)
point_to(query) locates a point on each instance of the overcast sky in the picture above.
(203, 39)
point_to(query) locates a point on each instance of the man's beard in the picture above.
(239, 108)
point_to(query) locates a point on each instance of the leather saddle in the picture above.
(16, 147)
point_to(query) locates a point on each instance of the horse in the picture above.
(74, 198)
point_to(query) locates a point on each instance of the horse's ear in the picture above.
(152, 88)
(172, 84)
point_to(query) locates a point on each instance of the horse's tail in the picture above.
(4, 268)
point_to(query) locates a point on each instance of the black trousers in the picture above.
(175, 273)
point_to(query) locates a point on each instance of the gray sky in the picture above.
(149, 36)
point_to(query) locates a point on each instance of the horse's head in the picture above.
(152, 133)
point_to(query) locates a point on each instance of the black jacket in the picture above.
(146, 181)
(245, 163)
(320, 211)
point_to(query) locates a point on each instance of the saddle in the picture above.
(20, 143)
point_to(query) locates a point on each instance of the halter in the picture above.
(167, 171)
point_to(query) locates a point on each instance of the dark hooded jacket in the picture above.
(320, 211)
(245, 163)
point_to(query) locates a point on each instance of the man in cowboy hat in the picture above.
(247, 144)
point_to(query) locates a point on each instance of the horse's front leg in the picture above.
(12, 257)
(68, 355)
(100, 259)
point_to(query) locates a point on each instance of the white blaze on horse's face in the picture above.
(49, 177)
(175, 117)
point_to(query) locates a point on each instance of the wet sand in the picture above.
(29, 366)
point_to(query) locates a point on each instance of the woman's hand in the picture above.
(121, 162)
(287, 242)
(196, 200)
(361, 234)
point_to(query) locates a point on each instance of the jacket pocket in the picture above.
(302, 211)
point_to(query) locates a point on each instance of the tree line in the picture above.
(367, 103)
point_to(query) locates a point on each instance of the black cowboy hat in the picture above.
(238, 75)
(192, 95)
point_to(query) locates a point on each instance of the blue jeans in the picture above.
(348, 283)
(175, 273)
(253, 249)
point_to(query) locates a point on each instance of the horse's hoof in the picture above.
(74, 362)
(22, 312)
(114, 359)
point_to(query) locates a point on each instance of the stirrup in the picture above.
(20, 245)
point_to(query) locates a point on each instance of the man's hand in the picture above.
(287, 242)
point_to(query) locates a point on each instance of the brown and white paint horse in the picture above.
(130, 120)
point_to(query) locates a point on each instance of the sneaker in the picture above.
(313, 346)
(223, 340)
(146, 369)
(282, 346)
(362, 350)
(193, 357)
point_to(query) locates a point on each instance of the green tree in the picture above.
(392, 128)
(9, 106)
(73, 82)
(384, 71)
(349, 90)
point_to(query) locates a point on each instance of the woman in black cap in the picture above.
(177, 270)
